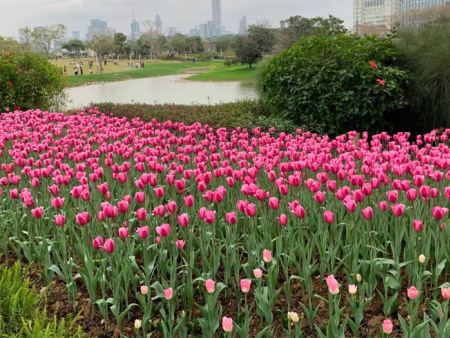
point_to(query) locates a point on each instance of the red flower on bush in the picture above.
(381, 82)
(9, 84)
(373, 64)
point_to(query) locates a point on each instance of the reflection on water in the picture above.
(163, 89)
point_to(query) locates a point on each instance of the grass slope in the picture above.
(231, 73)
(150, 70)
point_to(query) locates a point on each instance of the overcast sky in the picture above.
(183, 14)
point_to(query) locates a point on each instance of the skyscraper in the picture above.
(216, 13)
(375, 16)
(243, 26)
(158, 24)
(134, 28)
(415, 13)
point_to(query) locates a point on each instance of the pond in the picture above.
(171, 89)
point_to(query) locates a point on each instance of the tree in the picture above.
(25, 34)
(131, 47)
(297, 26)
(9, 45)
(119, 40)
(195, 44)
(102, 45)
(247, 50)
(74, 45)
(179, 43)
(222, 45)
(43, 37)
(263, 36)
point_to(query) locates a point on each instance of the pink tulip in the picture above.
(189, 200)
(245, 285)
(438, 212)
(210, 286)
(445, 293)
(387, 326)
(282, 220)
(159, 192)
(392, 196)
(383, 206)
(328, 217)
(350, 205)
(267, 256)
(367, 213)
(97, 242)
(231, 217)
(37, 212)
(412, 292)
(143, 232)
(60, 220)
(257, 273)
(210, 216)
(124, 232)
(417, 225)
(183, 219)
(180, 244)
(273, 203)
(250, 210)
(168, 293)
(398, 209)
(13, 193)
(171, 207)
(123, 207)
(333, 285)
(140, 197)
(141, 214)
(227, 324)
(144, 289)
(163, 230)
(319, 197)
(109, 246)
(411, 194)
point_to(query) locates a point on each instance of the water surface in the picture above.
(160, 90)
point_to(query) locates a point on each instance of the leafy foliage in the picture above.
(22, 309)
(328, 80)
(29, 81)
(8, 44)
(424, 53)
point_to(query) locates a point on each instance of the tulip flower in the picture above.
(398, 209)
(140, 197)
(231, 217)
(438, 212)
(387, 326)
(412, 292)
(293, 316)
(257, 273)
(141, 214)
(123, 232)
(245, 285)
(367, 213)
(109, 246)
(180, 244)
(422, 259)
(267, 256)
(143, 232)
(282, 220)
(97, 242)
(168, 293)
(189, 200)
(210, 286)
(273, 203)
(352, 289)
(333, 285)
(328, 217)
(123, 207)
(183, 219)
(227, 324)
(137, 324)
(144, 289)
(445, 293)
(163, 230)
(60, 220)
(37, 212)
(417, 225)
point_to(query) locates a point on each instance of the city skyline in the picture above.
(76, 15)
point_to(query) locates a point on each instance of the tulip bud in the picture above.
(137, 324)
(358, 278)
(352, 289)
(422, 259)
(144, 289)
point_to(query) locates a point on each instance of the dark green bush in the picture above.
(29, 81)
(425, 53)
(237, 114)
(328, 81)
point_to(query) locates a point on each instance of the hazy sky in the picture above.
(183, 14)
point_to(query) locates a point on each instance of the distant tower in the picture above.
(216, 19)
(158, 24)
(134, 28)
(243, 26)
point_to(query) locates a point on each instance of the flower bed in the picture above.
(191, 230)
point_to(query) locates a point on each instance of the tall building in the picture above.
(76, 35)
(376, 16)
(415, 13)
(158, 24)
(134, 28)
(243, 26)
(216, 13)
(97, 27)
(203, 30)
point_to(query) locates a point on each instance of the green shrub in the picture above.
(29, 81)
(227, 63)
(242, 113)
(425, 52)
(328, 81)
(23, 310)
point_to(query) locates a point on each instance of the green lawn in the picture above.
(150, 70)
(231, 73)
